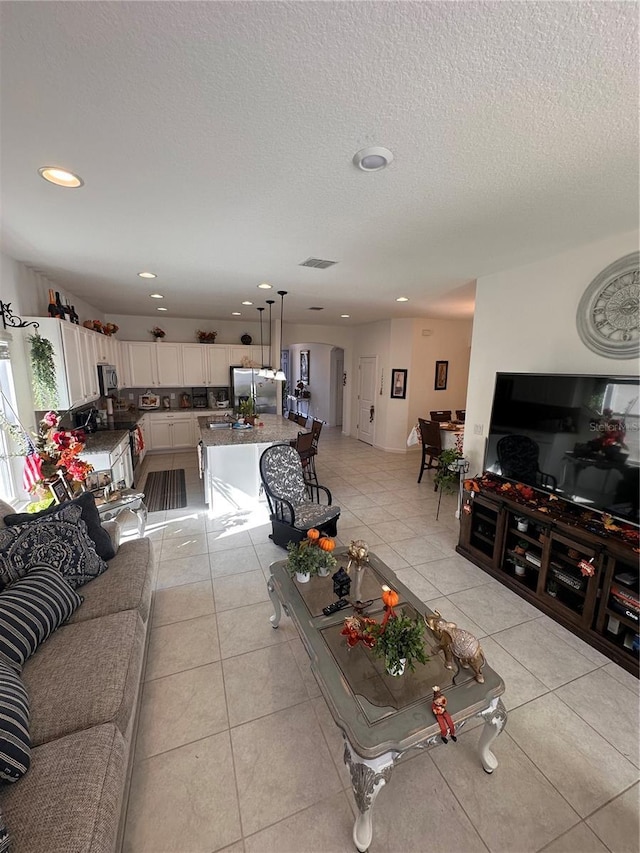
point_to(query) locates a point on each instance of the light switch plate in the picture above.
(477, 429)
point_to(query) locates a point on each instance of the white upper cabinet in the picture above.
(195, 363)
(143, 364)
(88, 341)
(169, 364)
(217, 358)
(72, 385)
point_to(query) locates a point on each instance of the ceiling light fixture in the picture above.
(156, 296)
(265, 286)
(280, 375)
(162, 309)
(402, 299)
(345, 315)
(260, 308)
(268, 372)
(147, 275)
(60, 177)
(246, 302)
(236, 314)
(373, 159)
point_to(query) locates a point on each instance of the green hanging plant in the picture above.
(43, 373)
(447, 474)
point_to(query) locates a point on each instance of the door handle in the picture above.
(372, 412)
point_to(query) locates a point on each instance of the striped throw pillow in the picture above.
(15, 744)
(30, 610)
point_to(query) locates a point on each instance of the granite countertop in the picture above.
(103, 441)
(275, 429)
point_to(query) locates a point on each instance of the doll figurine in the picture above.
(439, 708)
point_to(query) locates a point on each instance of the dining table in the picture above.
(452, 435)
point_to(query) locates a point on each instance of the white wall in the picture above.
(319, 378)
(525, 321)
(184, 330)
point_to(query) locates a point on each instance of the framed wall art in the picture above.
(442, 371)
(398, 384)
(304, 366)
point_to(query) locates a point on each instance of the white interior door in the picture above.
(367, 371)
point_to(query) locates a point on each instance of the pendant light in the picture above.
(268, 372)
(280, 374)
(261, 371)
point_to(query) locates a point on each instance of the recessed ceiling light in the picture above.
(236, 314)
(402, 299)
(162, 309)
(147, 275)
(60, 177)
(265, 286)
(373, 159)
(345, 315)
(246, 302)
(156, 296)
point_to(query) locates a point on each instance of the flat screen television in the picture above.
(584, 432)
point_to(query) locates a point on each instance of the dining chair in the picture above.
(316, 429)
(292, 416)
(301, 420)
(461, 414)
(307, 453)
(441, 416)
(431, 444)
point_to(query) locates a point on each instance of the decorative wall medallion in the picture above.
(608, 317)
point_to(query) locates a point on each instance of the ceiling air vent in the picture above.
(316, 308)
(317, 263)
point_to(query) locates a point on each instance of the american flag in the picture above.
(32, 467)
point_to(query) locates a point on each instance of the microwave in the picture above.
(108, 379)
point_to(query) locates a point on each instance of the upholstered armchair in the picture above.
(295, 505)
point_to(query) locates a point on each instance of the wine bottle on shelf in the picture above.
(74, 316)
(60, 306)
(52, 308)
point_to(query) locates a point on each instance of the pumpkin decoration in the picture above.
(326, 543)
(390, 597)
(313, 534)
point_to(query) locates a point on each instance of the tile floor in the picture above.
(237, 751)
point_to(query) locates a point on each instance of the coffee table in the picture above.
(381, 716)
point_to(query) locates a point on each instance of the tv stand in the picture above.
(584, 579)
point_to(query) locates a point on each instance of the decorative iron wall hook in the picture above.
(11, 320)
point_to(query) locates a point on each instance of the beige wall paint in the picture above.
(525, 321)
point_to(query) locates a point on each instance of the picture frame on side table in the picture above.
(60, 491)
(304, 365)
(442, 372)
(398, 384)
(98, 481)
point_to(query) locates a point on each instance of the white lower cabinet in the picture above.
(166, 432)
(118, 462)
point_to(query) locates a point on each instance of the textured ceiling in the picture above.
(215, 141)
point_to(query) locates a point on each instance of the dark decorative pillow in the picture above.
(90, 516)
(5, 840)
(30, 611)
(15, 743)
(59, 540)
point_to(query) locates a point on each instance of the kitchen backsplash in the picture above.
(176, 398)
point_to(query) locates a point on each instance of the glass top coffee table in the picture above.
(381, 716)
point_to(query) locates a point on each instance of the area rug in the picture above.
(165, 490)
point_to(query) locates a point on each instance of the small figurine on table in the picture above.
(439, 708)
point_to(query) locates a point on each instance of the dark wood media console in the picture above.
(544, 560)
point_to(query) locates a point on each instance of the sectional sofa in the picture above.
(84, 685)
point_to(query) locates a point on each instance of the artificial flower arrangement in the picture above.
(157, 332)
(313, 555)
(58, 451)
(98, 326)
(206, 337)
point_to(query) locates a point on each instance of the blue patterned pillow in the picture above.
(59, 540)
(30, 610)
(15, 743)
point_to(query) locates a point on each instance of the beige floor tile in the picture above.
(521, 685)
(275, 681)
(184, 527)
(238, 847)
(181, 708)
(371, 515)
(248, 628)
(234, 562)
(177, 603)
(516, 788)
(346, 534)
(624, 677)
(232, 591)
(447, 609)
(602, 702)
(268, 553)
(184, 571)
(576, 643)
(227, 540)
(304, 665)
(579, 839)
(494, 607)
(416, 812)
(417, 550)
(179, 547)
(551, 660)
(333, 737)
(417, 583)
(326, 827)
(299, 738)
(184, 800)
(182, 645)
(453, 574)
(393, 531)
(565, 748)
(390, 557)
(617, 823)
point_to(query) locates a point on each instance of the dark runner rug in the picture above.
(165, 490)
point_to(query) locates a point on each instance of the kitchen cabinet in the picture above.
(118, 462)
(142, 364)
(169, 364)
(236, 354)
(217, 358)
(205, 364)
(170, 431)
(88, 360)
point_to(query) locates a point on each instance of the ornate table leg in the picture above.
(141, 515)
(275, 619)
(495, 718)
(367, 778)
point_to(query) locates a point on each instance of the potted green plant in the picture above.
(311, 556)
(247, 410)
(43, 373)
(400, 642)
(521, 547)
(447, 473)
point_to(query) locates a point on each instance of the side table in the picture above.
(129, 499)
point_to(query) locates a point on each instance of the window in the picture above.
(8, 408)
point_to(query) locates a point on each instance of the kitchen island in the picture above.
(230, 460)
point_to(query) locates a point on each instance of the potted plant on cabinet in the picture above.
(447, 473)
(522, 523)
(206, 337)
(158, 333)
(400, 642)
(311, 556)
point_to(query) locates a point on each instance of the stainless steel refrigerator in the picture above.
(246, 383)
